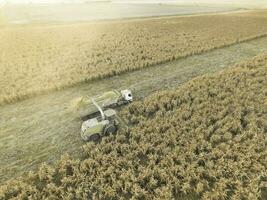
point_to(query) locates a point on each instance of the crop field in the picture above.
(195, 130)
(205, 139)
(42, 128)
(37, 59)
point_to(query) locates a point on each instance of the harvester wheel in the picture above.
(110, 129)
(94, 138)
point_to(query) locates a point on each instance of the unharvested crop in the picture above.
(206, 139)
(35, 59)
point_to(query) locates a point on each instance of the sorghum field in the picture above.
(205, 139)
(42, 128)
(37, 59)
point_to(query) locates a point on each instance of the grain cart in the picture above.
(85, 107)
(105, 124)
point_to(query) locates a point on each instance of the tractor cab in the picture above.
(127, 95)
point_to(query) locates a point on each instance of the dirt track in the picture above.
(42, 128)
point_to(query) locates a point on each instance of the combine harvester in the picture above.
(99, 119)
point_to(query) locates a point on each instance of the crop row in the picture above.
(35, 59)
(206, 139)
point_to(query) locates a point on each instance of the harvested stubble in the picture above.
(206, 139)
(38, 59)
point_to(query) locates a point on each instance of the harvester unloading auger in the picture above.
(102, 120)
